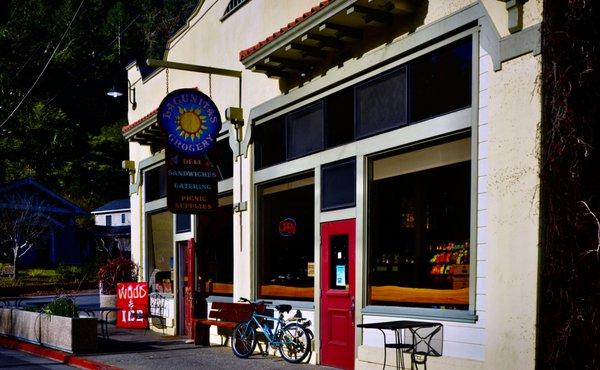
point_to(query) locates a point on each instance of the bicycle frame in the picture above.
(290, 337)
(269, 334)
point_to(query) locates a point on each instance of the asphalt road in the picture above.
(85, 299)
(12, 359)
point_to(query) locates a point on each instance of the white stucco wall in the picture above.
(513, 214)
(217, 43)
(116, 219)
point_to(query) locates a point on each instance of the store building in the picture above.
(386, 170)
(112, 232)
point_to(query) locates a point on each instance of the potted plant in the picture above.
(116, 270)
(56, 325)
(61, 306)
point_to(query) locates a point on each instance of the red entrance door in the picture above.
(337, 299)
(185, 283)
(190, 261)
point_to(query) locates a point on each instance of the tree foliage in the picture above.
(66, 133)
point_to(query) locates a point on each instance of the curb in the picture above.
(63, 357)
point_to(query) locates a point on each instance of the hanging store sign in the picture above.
(132, 305)
(191, 183)
(190, 120)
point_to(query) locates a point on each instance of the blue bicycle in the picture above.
(292, 337)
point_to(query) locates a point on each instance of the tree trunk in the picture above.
(14, 273)
(569, 303)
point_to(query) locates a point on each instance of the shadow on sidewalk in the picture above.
(138, 349)
(139, 340)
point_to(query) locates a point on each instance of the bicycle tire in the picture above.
(296, 343)
(243, 339)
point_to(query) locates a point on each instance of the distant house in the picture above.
(61, 243)
(112, 233)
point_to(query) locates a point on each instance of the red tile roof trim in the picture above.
(131, 126)
(138, 122)
(247, 52)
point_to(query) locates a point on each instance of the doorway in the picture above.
(338, 300)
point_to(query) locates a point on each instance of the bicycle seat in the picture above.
(283, 308)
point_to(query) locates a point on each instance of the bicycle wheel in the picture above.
(243, 339)
(296, 343)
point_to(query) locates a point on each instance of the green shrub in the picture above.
(37, 276)
(67, 274)
(38, 273)
(6, 282)
(61, 306)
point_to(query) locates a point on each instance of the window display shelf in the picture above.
(219, 288)
(391, 293)
(287, 291)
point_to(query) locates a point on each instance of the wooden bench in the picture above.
(221, 314)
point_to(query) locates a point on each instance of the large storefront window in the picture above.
(419, 228)
(160, 251)
(431, 85)
(214, 249)
(286, 240)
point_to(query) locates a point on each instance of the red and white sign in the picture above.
(132, 305)
(287, 227)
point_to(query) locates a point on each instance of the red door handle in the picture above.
(352, 307)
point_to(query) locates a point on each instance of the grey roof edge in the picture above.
(113, 206)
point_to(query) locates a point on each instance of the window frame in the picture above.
(373, 80)
(410, 98)
(222, 197)
(176, 224)
(321, 106)
(258, 186)
(234, 9)
(456, 122)
(337, 164)
(428, 144)
(400, 66)
(147, 225)
(224, 140)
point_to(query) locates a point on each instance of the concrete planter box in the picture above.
(109, 300)
(75, 335)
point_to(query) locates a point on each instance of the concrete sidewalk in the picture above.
(139, 349)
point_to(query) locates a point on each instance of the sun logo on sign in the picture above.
(190, 123)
